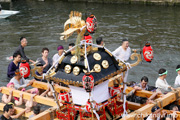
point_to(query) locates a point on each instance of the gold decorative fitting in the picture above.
(67, 69)
(97, 68)
(97, 56)
(74, 59)
(76, 70)
(105, 64)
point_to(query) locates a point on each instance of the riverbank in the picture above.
(145, 2)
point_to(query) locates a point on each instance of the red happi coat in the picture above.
(114, 91)
(64, 97)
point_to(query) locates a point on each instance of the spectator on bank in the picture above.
(47, 62)
(20, 49)
(14, 65)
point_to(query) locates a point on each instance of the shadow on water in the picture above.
(41, 23)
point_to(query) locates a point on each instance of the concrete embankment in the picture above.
(146, 2)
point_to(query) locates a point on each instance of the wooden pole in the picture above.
(17, 110)
(27, 96)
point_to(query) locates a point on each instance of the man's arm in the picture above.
(18, 115)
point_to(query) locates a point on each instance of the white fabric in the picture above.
(177, 81)
(162, 85)
(149, 117)
(99, 94)
(55, 58)
(122, 54)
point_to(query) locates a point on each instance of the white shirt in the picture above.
(19, 84)
(177, 81)
(162, 85)
(55, 58)
(122, 54)
(149, 117)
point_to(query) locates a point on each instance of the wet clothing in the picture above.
(55, 58)
(133, 98)
(2, 117)
(148, 87)
(19, 84)
(122, 54)
(11, 69)
(40, 60)
(162, 85)
(20, 50)
(177, 81)
(31, 116)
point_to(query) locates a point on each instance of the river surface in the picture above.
(41, 23)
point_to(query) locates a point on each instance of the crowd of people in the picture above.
(122, 53)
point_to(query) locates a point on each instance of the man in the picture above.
(14, 65)
(56, 57)
(156, 113)
(177, 80)
(123, 52)
(47, 62)
(20, 49)
(161, 82)
(20, 82)
(71, 45)
(144, 84)
(36, 111)
(9, 111)
(99, 41)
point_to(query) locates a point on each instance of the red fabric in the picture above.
(148, 53)
(91, 24)
(24, 69)
(114, 90)
(64, 96)
(88, 39)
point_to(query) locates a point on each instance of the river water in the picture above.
(41, 23)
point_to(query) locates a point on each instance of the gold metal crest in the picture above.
(97, 56)
(74, 59)
(97, 68)
(67, 69)
(76, 70)
(105, 64)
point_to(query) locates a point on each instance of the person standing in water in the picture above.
(20, 49)
(123, 52)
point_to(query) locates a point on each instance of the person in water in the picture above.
(177, 80)
(99, 41)
(20, 82)
(144, 85)
(9, 98)
(161, 82)
(45, 60)
(71, 45)
(60, 50)
(20, 49)
(36, 111)
(13, 65)
(9, 111)
(123, 52)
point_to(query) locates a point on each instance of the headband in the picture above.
(60, 47)
(165, 73)
(11, 83)
(177, 69)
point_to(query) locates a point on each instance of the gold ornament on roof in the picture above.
(67, 69)
(105, 64)
(97, 56)
(97, 68)
(74, 59)
(76, 70)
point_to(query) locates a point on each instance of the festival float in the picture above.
(87, 74)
